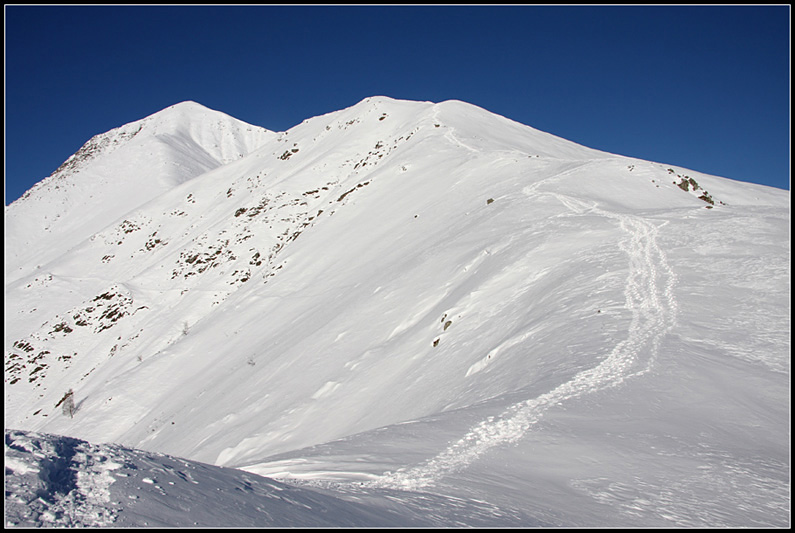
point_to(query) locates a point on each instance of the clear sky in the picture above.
(705, 88)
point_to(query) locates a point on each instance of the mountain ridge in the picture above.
(394, 264)
(103, 179)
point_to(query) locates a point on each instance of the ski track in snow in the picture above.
(648, 296)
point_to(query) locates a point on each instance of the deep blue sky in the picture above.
(706, 88)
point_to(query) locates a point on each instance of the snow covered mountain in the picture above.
(409, 296)
(116, 172)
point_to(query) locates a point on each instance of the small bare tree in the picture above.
(67, 404)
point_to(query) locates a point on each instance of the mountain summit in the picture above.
(411, 296)
(118, 171)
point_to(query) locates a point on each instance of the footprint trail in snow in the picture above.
(648, 296)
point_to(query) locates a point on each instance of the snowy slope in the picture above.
(117, 171)
(428, 297)
(56, 481)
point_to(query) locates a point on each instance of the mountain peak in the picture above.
(410, 295)
(119, 170)
(188, 104)
(191, 118)
(185, 108)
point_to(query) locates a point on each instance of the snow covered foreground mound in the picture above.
(414, 297)
(54, 481)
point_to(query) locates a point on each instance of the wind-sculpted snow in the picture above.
(407, 302)
(117, 172)
(649, 295)
(55, 482)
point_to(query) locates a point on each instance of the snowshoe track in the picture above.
(648, 296)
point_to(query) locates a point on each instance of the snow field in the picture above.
(424, 309)
(653, 315)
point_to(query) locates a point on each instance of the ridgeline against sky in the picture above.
(703, 87)
(428, 312)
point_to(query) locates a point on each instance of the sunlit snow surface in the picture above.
(408, 314)
(56, 481)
